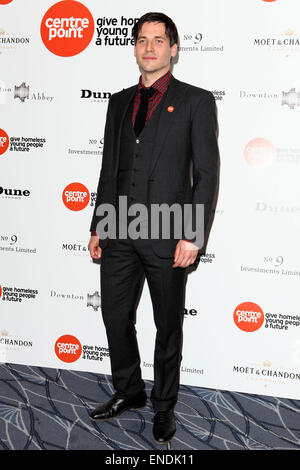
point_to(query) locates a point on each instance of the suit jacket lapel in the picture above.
(170, 111)
(123, 104)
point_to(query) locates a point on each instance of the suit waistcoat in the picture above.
(135, 156)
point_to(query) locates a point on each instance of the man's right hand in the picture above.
(94, 248)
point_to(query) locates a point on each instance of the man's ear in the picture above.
(174, 50)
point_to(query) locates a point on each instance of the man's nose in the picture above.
(149, 46)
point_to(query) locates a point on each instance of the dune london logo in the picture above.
(13, 193)
(67, 28)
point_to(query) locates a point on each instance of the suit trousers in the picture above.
(125, 264)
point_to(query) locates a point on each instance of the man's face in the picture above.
(152, 49)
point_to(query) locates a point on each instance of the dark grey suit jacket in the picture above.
(186, 145)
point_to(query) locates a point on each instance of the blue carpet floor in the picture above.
(48, 409)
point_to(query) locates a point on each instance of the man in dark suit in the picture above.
(158, 133)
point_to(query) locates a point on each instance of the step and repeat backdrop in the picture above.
(59, 64)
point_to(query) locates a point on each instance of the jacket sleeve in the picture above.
(106, 166)
(205, 156)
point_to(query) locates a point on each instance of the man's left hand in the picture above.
(185, 254)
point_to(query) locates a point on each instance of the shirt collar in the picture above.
(160, 85)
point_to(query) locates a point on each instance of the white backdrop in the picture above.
(242, 317)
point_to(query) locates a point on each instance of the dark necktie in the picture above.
(141, 115)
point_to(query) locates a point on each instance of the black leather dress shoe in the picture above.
(117, 404)
(164, 426)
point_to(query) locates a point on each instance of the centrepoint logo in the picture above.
(67, 28)
(259, 152)
(4, 141)
(75, 196)
(248, 316)
(68, 348)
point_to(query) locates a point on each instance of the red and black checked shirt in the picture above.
(161, 86)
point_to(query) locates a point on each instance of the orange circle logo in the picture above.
(75, 196)
(248, 316)
(4, 141)
(259, 152)
(5, 2)
(68, 348)
(67, 28)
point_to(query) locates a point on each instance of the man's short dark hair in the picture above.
(171, 30)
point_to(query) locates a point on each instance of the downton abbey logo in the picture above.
(22, 93)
